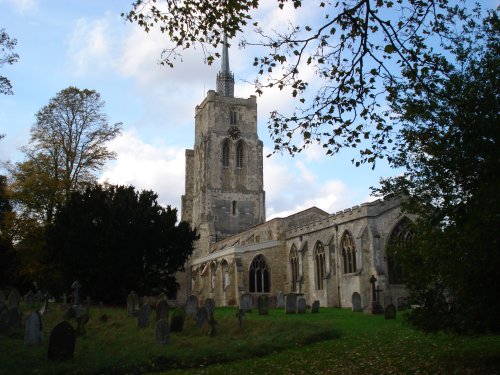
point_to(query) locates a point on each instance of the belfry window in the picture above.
(239, 155)
(225, 154)
(319, 257)
(348, 250)
(294, 268)
(232, 117)
(258, 276)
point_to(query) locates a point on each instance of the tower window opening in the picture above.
(225, 154)
(239, 155)
(234, 208)
(232, 117)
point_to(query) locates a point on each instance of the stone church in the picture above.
(323, 256)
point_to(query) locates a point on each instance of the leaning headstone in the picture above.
(132, 304)
(390, 311)
(177, 320)
(144, 316)
(356, 302)
(210, 305)
(280, 301)
(33, 332)
(14, 298)
(301, 305)
(192, 306)
(291, 303)
(315, 307)
(61, 342)
(162, 310)
(202, 316)
(263, 305)
(246, 302)
(161, 332)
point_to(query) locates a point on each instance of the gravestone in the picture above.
(356, 302)
(192, 306)
(240, 314)
(14, 298)
(76, 294)
(390, 311)
(177, 320)
(14, 317)
(29, 298)
(161, 332)
(315, 307)
(162, 310)
(272, 302)
(202, 316)
(210, 305)
(33, 332)
(144, 316)
(69, 314)
(301, 305)
(246, 302)
(263, 305)
(290, 303)
(132, 304)
(387, 300)
(280, 301)
(81, 321)
(61, 342)
(402, 303)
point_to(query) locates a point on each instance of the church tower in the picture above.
(224, 192)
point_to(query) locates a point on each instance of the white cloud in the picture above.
(156, 167)
(22, 6)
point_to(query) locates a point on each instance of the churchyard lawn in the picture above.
(332, 341)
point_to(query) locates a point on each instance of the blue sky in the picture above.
(85, 43)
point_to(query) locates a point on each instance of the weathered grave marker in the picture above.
(301, 305)
(390, 311)
(132, 304)
(192, 306)
(61, 342)
(356, 302)
(144, 316)
(202, 316)
(161, 332)
(162, 310)
(290, 303)
(315, 307)
(263, 305)
(280, 300)
(33, 332)
(177, 320)
(246, 302)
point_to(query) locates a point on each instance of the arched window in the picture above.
(319, 260)
(401, 233)
(294, 267)
(348, 253)
(225, 154)
(239, 155)
(259, 276)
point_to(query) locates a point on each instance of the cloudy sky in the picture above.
(85, 43)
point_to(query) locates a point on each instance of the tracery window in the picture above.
(348, 250)
(258, 276)
(294, 267)
(225, 154)
(239, 155)
(400, 234)
(319, 260)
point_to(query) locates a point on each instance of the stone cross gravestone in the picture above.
(202, 316)
(263, 305)
(246, 302)
(390, 311)
(61, 342)
(280, 300)
(14, 298)
(177, 320)
(192, 306)
(301, 305)
(356, 302)
(290, 303)
(162, 334)
(162, 310)
(315, 307)
(144, 316)
(376, 308)
(210, 305)
(33, 330)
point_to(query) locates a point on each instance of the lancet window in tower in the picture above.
(348, 253)
(319, 257)
(233, 117)
(239, 155)
(225, 154)
(258, 276)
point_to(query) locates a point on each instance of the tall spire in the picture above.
(225, 79)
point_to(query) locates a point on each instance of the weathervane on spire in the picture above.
(225, 79)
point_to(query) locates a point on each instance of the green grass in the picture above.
(333, 341)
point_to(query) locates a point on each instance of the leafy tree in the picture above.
(6, 217)
(7, 44)
(66, 149)
(114, 239)
(354, 48)
(449, 148)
